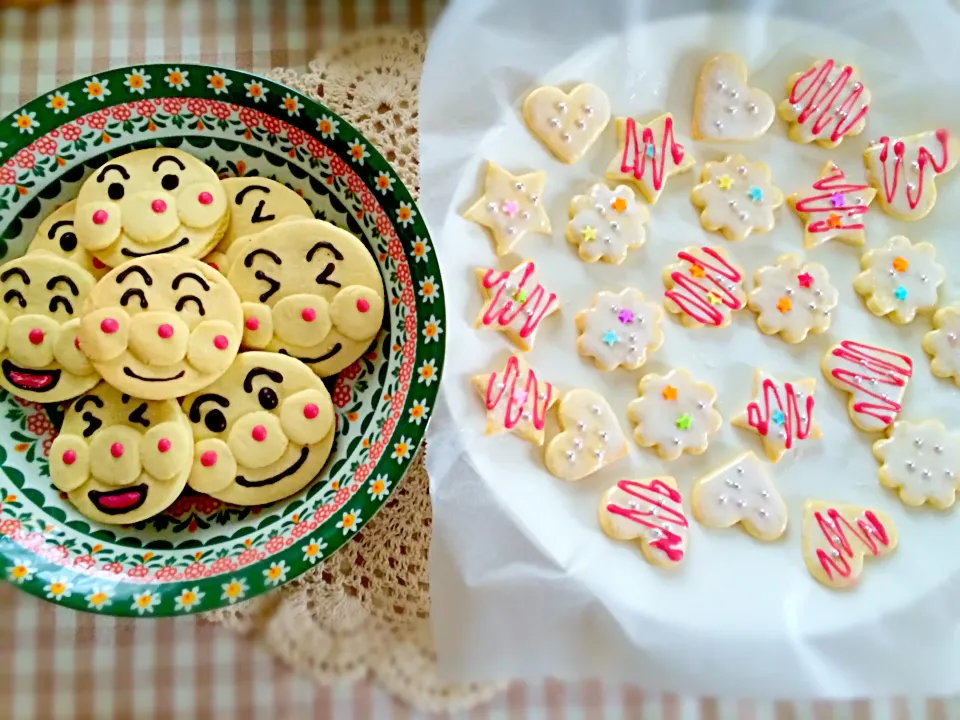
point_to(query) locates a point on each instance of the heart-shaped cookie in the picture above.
(650, 511)
(591, 436)
(567, 123)
(725, 108)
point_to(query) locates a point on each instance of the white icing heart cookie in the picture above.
(650, 511)
(736, 197)
(515, 303)
(647, 155)
(781, 413)
(900, 279)
(516, 400)
(875, 377)
(704, 287)
(942, 344)
(725, 107)
(825, 104)
(674, 414)
(605, 224)
(591, 437)
(619, 330)
(836, 538)
(511, 206)
(921, 461)
(832, 209)
(793, 299)
(741, 492)
(567, 123)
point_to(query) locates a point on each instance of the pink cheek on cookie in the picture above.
(363, 305)
(259, 433)
(117, 450)
(208, 459)
(109, 326)
(69, 457)
(252, 324)
(158, 206)
(165, 331)
(163, 445)
(98, 264)
(220, 342)
(76, 343)
(205, 198)
(36, 336)
(310, 411)
(308, 314)
(100, 217)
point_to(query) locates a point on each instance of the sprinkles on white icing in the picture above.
(674, 414)
(567, 123)
(725, 106)
(942, 344)
(900, 279)
(606, 223)
(515, 303)
(825, 104)
(516, 400)
(704, 287)
(650, 511)
(619, 330)
(793, 299)
(741, 491)
(648, 154)
(921, 461)
(737, 197)
(781, 413)
(591, 437)
(511, 206)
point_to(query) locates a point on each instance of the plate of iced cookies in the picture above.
(220, 338)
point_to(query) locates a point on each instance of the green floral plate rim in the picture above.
(200, 555)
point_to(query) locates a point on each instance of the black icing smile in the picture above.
(243, 482)
(117, 502)
(130, 373)
(326, 356)
(35, 380)
(127, 252)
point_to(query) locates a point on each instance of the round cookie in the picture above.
(256, 204)
(309, 290)
(121, 460)
(151, 202)
(161, 326)
(263, 431)
(39, 320)
(56, 235)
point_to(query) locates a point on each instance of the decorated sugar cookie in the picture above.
(606, 223)
(921, 460)
(875, 377)
(942, 344)
(741, 492)
(511, 206)
(836, 539)
(725, 106)
(825, 104)
(515, 303)
(310, 290)
(121, 460)
(650, 511)
(647, 155)
(781, 413)
(567, 123)
(56, 235)
(149, 202)
(832, 209)
(704, 287)
(793, 299)
(619, 330)
(261, 432)
(591, 437)
(904, 171)
(39, 321)
(900, 279)
(516, 400)
(737, 198)
(674, 414)
(162, 326)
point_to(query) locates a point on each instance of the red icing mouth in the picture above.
(38, 381)
(117, 502)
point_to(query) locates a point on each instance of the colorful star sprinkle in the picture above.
(713, 297)
(610, 338)
(696, 271)
(619, 204)
(900, 293)
(805, 279)
(684, 422)
(669, 393)
(625, 316)
(650, 150)
(837, 200)
(784, 305)
(777, 417)
(900, 264)
(521, 296)
(589, 233)
(724, 182)
(755, 194)
(834, 221)
(510, 208)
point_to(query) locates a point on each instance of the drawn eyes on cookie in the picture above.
(272, 285)
(169, 181)
(93, 422)
(214, 418)
(60, 300)
(184, 299)
(182, 303)
(68, 240)
(138, 415)
(257, 216)
(324, 277)
(131, 293)
(11, 295)
(266, 395)
(113, 174)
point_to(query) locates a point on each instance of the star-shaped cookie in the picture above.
(511, 206)
(833, 208)
(781, 413)
(647, 155)
(516, 400)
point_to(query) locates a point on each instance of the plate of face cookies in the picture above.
(220, 338)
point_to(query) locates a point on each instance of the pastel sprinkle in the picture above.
(784, 305)
(684, 422)
(625, 316)
(777, 417)
(521, 295)
(696, 271)
(589, 233)
(610, 338)
(619, 204)
(900, 293)
(805, 279)
(669, 393)
(833, 221)
(837, 200)
(755, 194)
(510, 207)
(900, 264)
(714, 298)
(724, 182)
(650, 150)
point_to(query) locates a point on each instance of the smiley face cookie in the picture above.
(161, 326)
(309, 290)
(119, 459)
(56, 235)
(39, 321)
(151, 202)
(256, 204)
(262, 432)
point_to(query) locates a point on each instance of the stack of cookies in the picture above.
(191, 321)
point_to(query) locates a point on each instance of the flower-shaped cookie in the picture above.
(900, 279)
(674, 414)
(922, 461)
(591, 437)
(736, 197)
(793, 299)
(704, 287)
(725, 106)
(943, 344)
(510, 207)
(619, 330)
(606, 223)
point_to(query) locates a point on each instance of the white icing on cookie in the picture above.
(619, 330)
(900, 279)
(591, 437)
(833, 209)
(825, 104)
(647, 155)
(516, 400)
(674, 414)
(704, 287)
(606, 223)
(567, 123)
(725, 107)
(511, 206)
(943, 344)
(781, 413)
(922, 461)
(741, 492)
(736, 197)
(650, 511)
(793, 299)
(836, 538)
(515, 302)
(876, 379)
